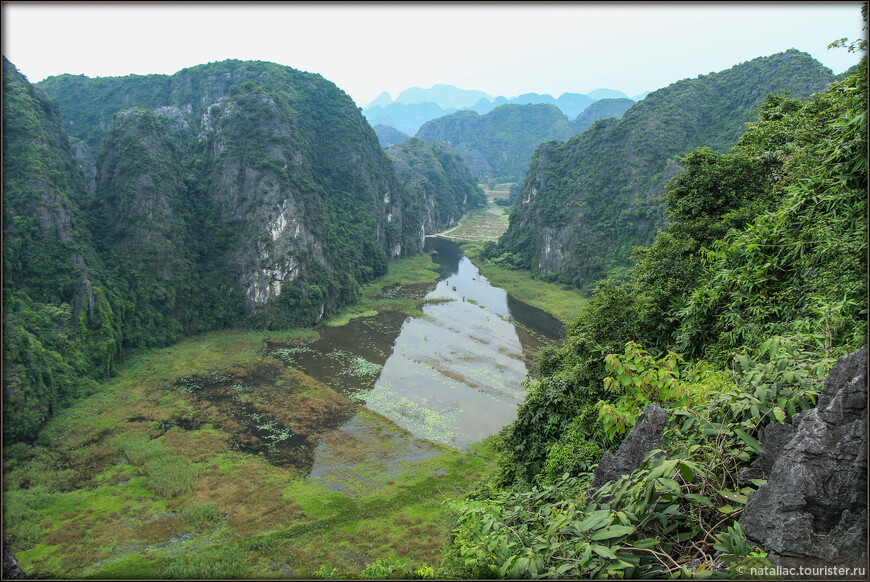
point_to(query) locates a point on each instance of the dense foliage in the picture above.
(233, 194)
(586, 203)
(500, 144)
(389, 136)
(601, 109)
(730, 320)
(61, 322)
(433, 173)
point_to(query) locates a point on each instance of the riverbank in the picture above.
(488, 224)
(563, 303)
(215, 458)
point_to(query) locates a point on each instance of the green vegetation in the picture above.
(61, 328)
(432, 174)
(499, 144)
(563, 302)
(601, 110)
(144, 479)
(384, 293)
(483, 224)
(586, 203)
(389, 136)
(730, 320)
(216, 458)
(229, 195)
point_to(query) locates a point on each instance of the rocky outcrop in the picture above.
(644, 437)
(814, 504)
(11, 569)
(554, 248)
(260, 182)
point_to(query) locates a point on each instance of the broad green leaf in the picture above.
(603, 551)
(779, 414)
(686, 471)
(595, 520)
(702, 499)
(735, 497)
(751, 441)
(665, 467)
(613, 531)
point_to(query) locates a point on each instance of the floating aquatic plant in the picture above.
(359, 367)
(288, 354)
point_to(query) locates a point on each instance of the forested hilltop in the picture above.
(587, 202)
(233, 194)
(728, 322)
(500, 144)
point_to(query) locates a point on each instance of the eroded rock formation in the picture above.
(814, 504)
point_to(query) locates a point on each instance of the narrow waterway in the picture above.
(453, 376)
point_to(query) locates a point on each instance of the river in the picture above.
(453, 376)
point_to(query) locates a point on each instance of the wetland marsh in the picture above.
(284, 454)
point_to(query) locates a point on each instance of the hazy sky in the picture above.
(365, 48)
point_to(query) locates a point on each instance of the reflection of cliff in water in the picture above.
(454, 375)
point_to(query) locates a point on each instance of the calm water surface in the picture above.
(453, 376)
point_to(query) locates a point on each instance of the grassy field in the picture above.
(380, 295)
(484, 224)
(196, 461)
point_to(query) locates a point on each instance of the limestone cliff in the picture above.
(439, 179)
(587, 202)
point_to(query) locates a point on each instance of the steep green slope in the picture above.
(759, 282)
(588, 201)
(61, 326)
(499, 144)
(277, 149)
(141, 218)
(232, 194)
(389, 136)
(439, 179)
(601, 110)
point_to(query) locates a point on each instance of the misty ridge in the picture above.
(415, 106)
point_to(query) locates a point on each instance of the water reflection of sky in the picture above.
(454, 376)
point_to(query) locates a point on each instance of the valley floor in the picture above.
(185, 464)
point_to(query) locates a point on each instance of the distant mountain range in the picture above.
(415, 106)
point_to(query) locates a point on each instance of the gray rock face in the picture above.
(645, 436)
(11, 569)
(814, 505)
